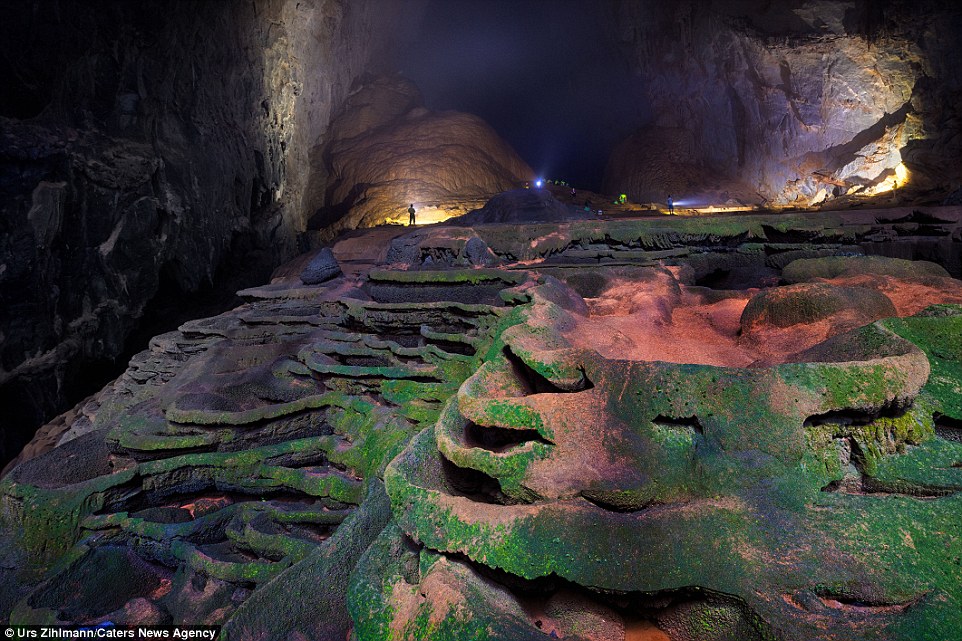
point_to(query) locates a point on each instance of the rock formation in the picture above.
(791, 103)
(387, 151)
(602, 438)
(520, 206)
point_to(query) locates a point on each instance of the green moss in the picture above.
(245, 417)
(446, 277)
(937, 331)
(49, 519)
(843, 385)
(258, 572)
(828, 267)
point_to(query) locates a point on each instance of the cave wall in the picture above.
(792, 103)
(154, 147)
(386, 150)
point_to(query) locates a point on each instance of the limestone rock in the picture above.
(387, 152)
(813, 302)
(478, 254)
(482, 453)
(445, 246)
(829, 267)
(858, 101)
(715, 463)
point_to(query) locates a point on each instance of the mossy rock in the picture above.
(828, 267)
(812, 302)
(702, 472)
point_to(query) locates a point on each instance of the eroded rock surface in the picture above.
(584, 442)
(143, 154)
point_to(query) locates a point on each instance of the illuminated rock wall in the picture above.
(791, 103)
(153, 147)
(385, 151)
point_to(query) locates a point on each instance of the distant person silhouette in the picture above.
(671, 205)
(411, 214)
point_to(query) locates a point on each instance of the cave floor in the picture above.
(604, 429)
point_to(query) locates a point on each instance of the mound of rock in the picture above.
(522, 206)
(806, 303)
(443, 247)
(828, 267)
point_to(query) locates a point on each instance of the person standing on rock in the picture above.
(411, 214)
(671, 205)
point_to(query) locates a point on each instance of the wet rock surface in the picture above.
(586, 440)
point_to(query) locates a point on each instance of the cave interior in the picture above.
(608, 319)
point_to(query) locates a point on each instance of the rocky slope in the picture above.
(792, 103)
(150, 147)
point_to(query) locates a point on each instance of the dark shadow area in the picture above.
(948, 428)
(473, 484)
(30, 403)
(535, 383)
(499, 439)
(671, 611)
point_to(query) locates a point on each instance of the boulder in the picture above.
(828, 267)
(323, 267)
(813, 302)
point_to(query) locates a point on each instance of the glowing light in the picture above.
(901, 175)
(695, 206)
(538, 183)
(430, 214)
